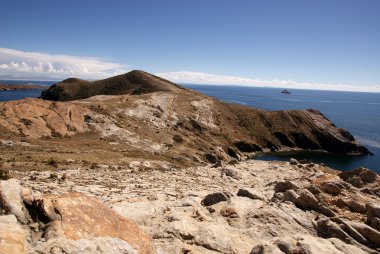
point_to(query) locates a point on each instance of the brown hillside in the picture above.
(158, 119)
(133, 82)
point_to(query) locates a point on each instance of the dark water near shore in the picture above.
(359, 113)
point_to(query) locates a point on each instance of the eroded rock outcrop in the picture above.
(359, 177)
(37, 118)
(340, 203)
(81, 217)
(67, 223)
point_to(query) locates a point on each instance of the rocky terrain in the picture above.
(159, 120)
(137, 164)
(151, 207)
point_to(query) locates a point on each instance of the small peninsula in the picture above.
(14, 87)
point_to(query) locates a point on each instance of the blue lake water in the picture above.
(18, 95)
(21, 94)
(359, 113)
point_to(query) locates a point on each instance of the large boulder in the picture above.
(214, 198)
(331, 188)
(351, 204)
(307, 201)
(284, 186)
(250, 193)
(233, 173)
(328, 229)
(75, 216)
(359, 177)
(11, 199)
(290, 195)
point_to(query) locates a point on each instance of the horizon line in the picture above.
(213, 84)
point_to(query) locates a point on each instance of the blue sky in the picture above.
(324, 43)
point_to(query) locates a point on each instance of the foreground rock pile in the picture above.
(249, 207)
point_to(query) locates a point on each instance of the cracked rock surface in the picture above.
(275, 207)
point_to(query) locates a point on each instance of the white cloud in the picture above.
(21, 64)
(35, 65)
(212, 79)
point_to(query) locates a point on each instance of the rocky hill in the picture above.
(142, 165)
(134, 82)
(155, 117)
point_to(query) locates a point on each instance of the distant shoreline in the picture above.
(8, 87)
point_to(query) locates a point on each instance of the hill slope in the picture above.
(155, 118)
(134, 82)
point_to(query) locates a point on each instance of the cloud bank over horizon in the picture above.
(212, 79)
(17, 64)
(28, 65)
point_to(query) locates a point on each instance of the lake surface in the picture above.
(359, 113)
(21, 94)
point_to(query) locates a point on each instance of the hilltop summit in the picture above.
(134, 82)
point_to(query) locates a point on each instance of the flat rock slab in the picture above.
(82, 217)
(12, 236)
